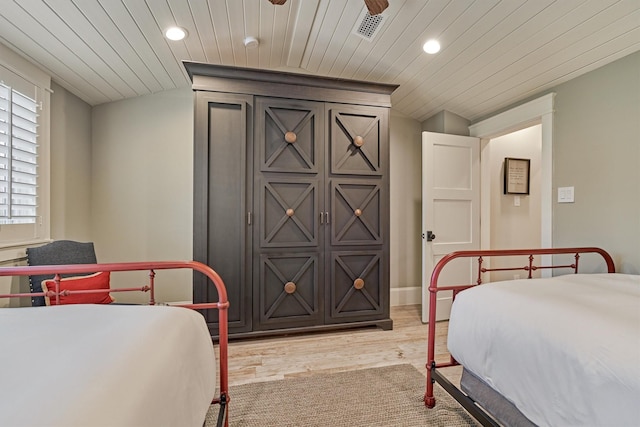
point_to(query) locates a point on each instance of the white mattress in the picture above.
(97, 365)
(565, 350)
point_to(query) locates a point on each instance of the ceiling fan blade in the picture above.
(376, 7)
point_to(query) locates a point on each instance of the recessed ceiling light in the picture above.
(431, 46)
(175, 33)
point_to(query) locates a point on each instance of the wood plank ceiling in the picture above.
(493, 52)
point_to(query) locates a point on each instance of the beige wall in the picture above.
(121, 176)
(142, 183)
(71, 166)
(596, 149)
(406, 201)
(447, 122)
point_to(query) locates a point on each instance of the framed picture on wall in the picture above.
(516, 175)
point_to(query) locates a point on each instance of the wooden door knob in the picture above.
(357, 212)
(358, 141)
(290, 287)
(290, 137)
(290, 212)
(358, 283)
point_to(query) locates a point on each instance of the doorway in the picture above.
(514, 221)
(537, 113)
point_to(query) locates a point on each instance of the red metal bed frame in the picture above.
(432, 373)
(222, 305)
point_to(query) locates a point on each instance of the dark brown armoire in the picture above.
(291, 198)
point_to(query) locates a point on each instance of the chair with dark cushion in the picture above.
(60, 252)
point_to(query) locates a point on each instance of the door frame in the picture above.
(537, 111)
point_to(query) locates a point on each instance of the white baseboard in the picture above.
(406, 296)
(413, 296)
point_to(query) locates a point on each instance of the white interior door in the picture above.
(450, 210)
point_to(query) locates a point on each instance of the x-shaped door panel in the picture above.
(357, 213)
(288, 213)
(356, 145)
(288, 288)
(356, 283)
(291, 135)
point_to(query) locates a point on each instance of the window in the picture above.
(18, 157)
(24, 151)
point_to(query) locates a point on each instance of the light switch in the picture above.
(565, 195)
(516, 201)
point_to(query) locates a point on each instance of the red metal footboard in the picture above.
(222, 305)
(434, 288)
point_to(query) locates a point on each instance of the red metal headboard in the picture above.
(221, 305)
(481, 255)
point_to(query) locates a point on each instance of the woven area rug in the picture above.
(387, 396)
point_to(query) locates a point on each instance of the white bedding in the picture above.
(565, 350)
(98, 365)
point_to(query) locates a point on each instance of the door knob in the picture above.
(290, 137)
(430, 236)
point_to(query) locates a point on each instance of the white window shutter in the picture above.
(18, 157)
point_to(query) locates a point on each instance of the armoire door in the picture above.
(358, 140)
(288, 199)
(357, 198)
(222, 153)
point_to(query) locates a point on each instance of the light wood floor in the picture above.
(268, 359)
